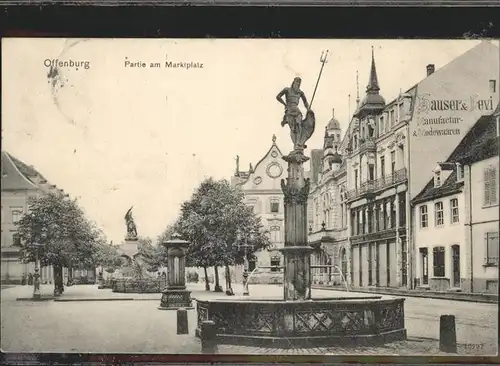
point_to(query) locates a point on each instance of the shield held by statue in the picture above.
(306, 129)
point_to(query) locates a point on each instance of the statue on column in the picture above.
(131, 228)
(300, 129)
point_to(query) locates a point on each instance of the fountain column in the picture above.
(296, 251)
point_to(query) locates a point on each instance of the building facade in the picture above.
(456, 214)
(19, 183)
(327, 214)
(262, 190)
(388, 153)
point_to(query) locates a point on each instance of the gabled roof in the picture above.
(16, 174)
(480, 143)
(449, 187)
(246, 175)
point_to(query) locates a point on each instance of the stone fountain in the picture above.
(295, 318)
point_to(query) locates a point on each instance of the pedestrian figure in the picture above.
(30, 279)
(23, 279)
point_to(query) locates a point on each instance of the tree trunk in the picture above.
(58, 280)
(229, 289)
(207, 284)
(70, 274)
(217, 285)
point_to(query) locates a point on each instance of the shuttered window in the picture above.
(491, 248)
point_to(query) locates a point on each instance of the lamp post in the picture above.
(245, 246)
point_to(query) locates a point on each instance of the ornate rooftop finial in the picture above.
(357, 88)
(373, 86)
(250, 168)
(237, 172)
(274, 138)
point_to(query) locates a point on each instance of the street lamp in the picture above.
(245, 246)
(36, 277)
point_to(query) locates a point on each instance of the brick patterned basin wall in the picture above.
(138, 286)
(368, 320)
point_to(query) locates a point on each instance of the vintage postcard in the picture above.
(244, 196)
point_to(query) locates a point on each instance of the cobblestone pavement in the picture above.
(410, 347)
(137, 326)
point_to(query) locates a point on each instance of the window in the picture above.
(401, 111)
(355, 142)
(382, 166)
(275, 206)
(460, 172)
(274, 234)
(492, 248)
(371, 172)
(493, 86)
(454, 210)
(490, 185)
(392, 117)
(17, 213)
(355, 178)
(16, 240)
(275, 262)
(438, 261)
(381, 131)
(438, 208)
(437, 179)
(393, 162)
(424, 217)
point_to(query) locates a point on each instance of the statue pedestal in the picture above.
(129, 248)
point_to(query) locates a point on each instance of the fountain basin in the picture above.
(308, 323)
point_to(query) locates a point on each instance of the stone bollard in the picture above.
(447, 334)
(182, 321)
(208, 337)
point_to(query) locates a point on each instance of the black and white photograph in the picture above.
(250, 196)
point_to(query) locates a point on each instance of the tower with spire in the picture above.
(373, 102)
(333, 133)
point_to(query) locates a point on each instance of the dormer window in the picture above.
(437, 179)
(460, 172)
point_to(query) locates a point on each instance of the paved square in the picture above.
(137, 325)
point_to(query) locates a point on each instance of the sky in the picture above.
(115, 136)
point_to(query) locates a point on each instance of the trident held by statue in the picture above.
(323, 59)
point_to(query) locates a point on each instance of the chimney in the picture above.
(430, 69)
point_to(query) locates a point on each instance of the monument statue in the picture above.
(300, 129)
(131, 228)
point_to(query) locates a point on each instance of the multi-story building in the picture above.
(456, 216)
(19, 183)
(262, 189)
(389, 151)
(327, 212)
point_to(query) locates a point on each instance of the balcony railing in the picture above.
(367, 145)
(372, 186)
